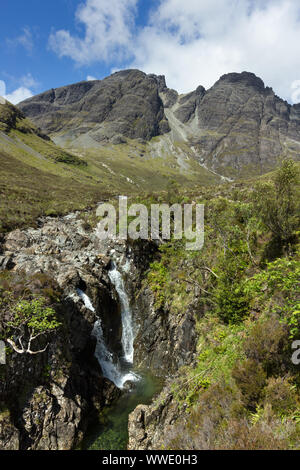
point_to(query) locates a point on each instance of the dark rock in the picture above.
(237, 128)
(9, 434)
(126, 104)
(149, 425)
(188, 104)
(118, 139)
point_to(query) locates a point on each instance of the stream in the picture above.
(111, 430)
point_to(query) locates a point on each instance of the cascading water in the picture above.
(86, 300)
(127, 328)
(113, 434)
(110, 369)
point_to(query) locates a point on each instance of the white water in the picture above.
(127, 328)
(110, 369)
(86, 300)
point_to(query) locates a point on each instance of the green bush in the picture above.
(250, 378)
(280, 393)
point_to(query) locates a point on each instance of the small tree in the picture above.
(277, 203)
(30, 319)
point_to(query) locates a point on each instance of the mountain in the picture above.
(127, 103)
(212, 361)
(237, 128)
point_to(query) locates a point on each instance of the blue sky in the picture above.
(50, 43)
(36, 19)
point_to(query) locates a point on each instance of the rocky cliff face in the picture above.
(149, 425)
(59, 392)
(163, 341)
(237, 128)
(51, 397)
(125, 104)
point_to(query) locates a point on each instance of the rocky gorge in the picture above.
(62, 390)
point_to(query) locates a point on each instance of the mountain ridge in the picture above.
(237, 128)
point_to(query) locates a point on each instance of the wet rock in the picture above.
(128, 386)
(63, 387)
(9, 434)
(148, 425)
(54, 395)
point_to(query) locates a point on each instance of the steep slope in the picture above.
(37, 177)
(126, 103)
(237, 128)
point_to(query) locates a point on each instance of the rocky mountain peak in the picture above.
(244, 78)
(127, 104)
(236, 128)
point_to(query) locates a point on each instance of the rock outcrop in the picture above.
(50, 398)
(126, 104)
(238, 127)
(164, 341)
(150, 426)
(59, 392)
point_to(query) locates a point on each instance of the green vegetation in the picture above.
(243, 391)
(40, 178)
(29, 315)
(277, 201)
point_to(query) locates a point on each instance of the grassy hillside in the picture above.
(243, 390)
(40, 178)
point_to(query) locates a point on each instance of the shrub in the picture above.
(250, 378)
(276, 203)
(280, 394)
(267, 344)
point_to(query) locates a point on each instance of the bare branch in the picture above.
(15, 347)
(206, 268)
(37, 352)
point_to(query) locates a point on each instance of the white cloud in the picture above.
(90, 78)
(2, 91)
(108, 32)
(202, 41)
(28, 81)
(25, 40)
(2, 88)
(192, 42)
(20, 94)
(295, 95)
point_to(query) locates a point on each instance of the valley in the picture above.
(142, 344)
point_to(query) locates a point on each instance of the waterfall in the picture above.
(126, 316)
(86, 300)
(110, 369)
